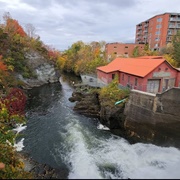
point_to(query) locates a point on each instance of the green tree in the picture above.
(176, 46)
(136, 51)
(148, 52)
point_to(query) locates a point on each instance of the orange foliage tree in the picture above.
(3, 67)
(13, 27)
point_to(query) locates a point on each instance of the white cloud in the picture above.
(60, 23)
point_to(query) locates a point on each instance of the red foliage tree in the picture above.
(15, 101)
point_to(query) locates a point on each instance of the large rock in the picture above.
(87, 104)
(113, 118)
(44, 71)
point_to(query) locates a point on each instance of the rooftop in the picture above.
(137, 66)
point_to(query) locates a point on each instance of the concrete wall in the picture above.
(154, 118)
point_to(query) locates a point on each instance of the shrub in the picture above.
(112, 93)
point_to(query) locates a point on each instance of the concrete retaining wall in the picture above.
(154, 118)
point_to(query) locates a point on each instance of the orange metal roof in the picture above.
(136, 66)
(150, 57)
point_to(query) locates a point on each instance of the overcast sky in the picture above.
(60, 23)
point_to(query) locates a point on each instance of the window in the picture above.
(159, 19)
(158, 26)
(128, 79)
(169, 32)
(136, 81)
(123, 77)
(115, 46)
(126, 46)
(158, 32)
(157, 39)
(113, 76)
(115, 52)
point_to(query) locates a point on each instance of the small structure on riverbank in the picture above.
(91, 80)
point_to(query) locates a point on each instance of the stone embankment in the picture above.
(146, 117)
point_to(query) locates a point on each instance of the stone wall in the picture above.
(154, 118)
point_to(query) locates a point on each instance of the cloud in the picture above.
(60, 23)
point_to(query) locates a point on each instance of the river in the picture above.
(58, 136)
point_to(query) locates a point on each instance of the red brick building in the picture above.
(149, 73)
(116, 49)
(158, 30)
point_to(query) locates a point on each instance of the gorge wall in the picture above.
(42, 68)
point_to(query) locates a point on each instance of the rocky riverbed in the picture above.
(89, 104)
(42, 171)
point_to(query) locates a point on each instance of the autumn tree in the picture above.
(13, 27)
(168, 49)
(148, 52)
(176, 48)
(83, 58)
(136, 52)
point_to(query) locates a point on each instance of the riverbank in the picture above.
(41, 171)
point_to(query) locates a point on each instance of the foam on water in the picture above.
(19, 146)
(19, 128)
(82, 162)
(115, 158)
(138, 160)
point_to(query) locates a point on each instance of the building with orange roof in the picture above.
(150, 74)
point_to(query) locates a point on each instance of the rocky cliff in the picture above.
(89, 105)
(43, 71)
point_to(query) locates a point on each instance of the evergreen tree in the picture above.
(176, 50)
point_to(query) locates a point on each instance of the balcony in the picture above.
(172, 26)
(137, 39)
(140, 32)
(174, 19)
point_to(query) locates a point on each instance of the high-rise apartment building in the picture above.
(158, 30)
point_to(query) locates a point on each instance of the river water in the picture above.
(58, 136)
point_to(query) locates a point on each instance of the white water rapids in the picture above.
(59, 136)
(113, 158)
